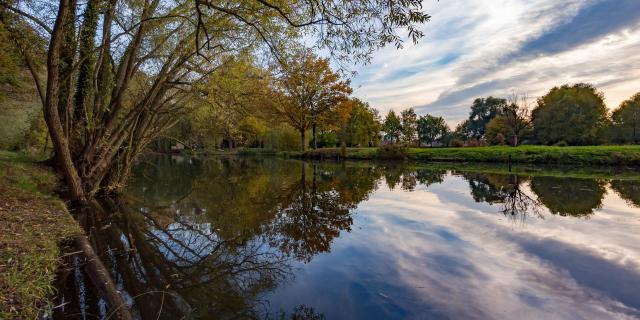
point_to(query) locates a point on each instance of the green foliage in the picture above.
(592, 155)
(391, 152)
(497, 132)
(432, 129)
(282, 137)
(576, 114)
(482, 111)
(363, 126)
(626, 121)
(569, 196)
(392, 127)
(327, 139)
(9, 62)
(22, 121)
(463, 131)
(409, 121)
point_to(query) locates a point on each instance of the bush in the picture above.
(392, 152)
(476, 143)
(457, 143)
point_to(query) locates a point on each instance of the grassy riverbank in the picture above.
(33, 226)
(588, 155)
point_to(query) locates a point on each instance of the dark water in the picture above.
(230, 238)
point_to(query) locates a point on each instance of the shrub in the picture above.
(457, 143)
(392, 152)
(476, 143)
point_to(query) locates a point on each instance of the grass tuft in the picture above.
(33, 224)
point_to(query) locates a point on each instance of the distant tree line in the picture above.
(566, 115)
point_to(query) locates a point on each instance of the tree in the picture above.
(511, 124)
(363, 126)
(431, 129)
(311, 92)
(233, 98)
(120, 72)
(392, 127)
(409, 121)
(626, 120)
(482, 111)
(575, 114)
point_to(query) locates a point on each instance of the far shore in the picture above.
(627, 155)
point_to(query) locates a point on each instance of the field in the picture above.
(587, 155)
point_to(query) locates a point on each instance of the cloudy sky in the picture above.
(476, 48)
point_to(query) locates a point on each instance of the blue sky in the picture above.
(476, 48)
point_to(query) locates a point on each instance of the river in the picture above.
(229, 238)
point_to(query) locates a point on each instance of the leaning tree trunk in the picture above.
(52, 116)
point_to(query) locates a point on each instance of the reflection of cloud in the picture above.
(437, 253)
(486, 47)
(588, 269)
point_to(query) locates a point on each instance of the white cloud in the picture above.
(489, 47)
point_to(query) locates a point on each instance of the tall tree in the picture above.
(234, 95)
(148, 57)
(626, 119)
(363, 126)
(392, 127)
(575, 114)
(431, 129)
(311, 92)
(482, 111)
(512, 123)
(409, 121)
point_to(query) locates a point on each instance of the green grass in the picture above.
(33, 225)
(587, 155)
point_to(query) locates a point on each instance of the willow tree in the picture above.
(119, 73)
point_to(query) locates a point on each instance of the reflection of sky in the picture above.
(438, 254)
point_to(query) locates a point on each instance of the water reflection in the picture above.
(569, 196)
(628, 190)
(265, 238)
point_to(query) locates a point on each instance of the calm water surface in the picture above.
(235, 238)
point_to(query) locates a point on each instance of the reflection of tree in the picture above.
(154, 183)
(628, 190)
(217, 242)
(488, 188)
(428, 177)
(318, 211)
(393, 175)
(409, 178)
(569, 196)
(409, 181)
(196, 271)
(505, 190)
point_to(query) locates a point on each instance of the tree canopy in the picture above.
(409, 120)
(310, 92)
(575, 114)
(431, 129)
(392, 127)
(482, 111)
(119, 73)
(626, 120)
